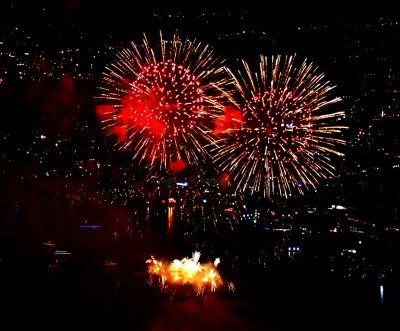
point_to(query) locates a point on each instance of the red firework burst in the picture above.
(162, 103)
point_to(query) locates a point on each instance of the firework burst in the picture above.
(188, 271)
(161, 102)
(284, 140)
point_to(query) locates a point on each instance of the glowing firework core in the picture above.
(187, 272)
(277, 124)
(171, 96)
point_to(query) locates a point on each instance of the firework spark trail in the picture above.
(188, 271)
(162, 102)
(285, 140)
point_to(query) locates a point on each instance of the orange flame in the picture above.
(188, 271)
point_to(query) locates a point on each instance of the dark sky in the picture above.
(62, 23)
(123, 13)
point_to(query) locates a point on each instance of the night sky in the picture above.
(79, 218)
